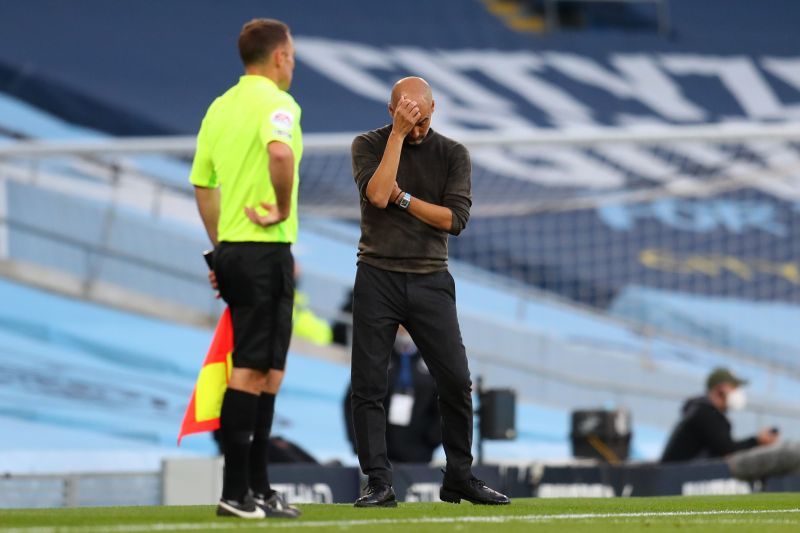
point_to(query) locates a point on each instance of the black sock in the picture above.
(259, 451)
(237, 421)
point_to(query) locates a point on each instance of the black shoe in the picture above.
(473, 490)
(276, 506)
(245, 508)
(377, 495)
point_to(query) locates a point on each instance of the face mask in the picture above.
(737, 400)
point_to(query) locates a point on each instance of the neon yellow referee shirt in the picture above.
(232, 155)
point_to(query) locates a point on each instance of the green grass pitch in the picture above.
(758, 513)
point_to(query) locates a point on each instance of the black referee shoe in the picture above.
(473, 490)
(377, 495)
(275, 505)
(245, 508)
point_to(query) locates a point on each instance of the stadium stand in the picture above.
(599, 275)
(90, 388)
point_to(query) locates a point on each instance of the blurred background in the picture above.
(636, 219)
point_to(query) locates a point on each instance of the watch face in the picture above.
(405, 201)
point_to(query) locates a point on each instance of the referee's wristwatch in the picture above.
(404, 200)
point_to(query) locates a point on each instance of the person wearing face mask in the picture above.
(704, 432)
(413, 428)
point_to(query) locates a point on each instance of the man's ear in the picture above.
(433, 106)
(391, 110)
(277, 57)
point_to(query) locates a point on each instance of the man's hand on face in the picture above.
(406, 115)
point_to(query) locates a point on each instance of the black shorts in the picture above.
(256, 280)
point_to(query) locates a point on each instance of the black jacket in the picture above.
(703, 432)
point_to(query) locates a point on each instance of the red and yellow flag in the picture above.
(205, 405)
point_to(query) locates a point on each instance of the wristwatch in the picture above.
(404, 201)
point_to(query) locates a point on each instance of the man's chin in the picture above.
(414, 142)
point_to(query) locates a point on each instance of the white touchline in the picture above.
(194, 526)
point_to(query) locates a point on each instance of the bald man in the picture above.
(414, 186)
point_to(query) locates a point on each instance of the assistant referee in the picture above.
(245, 174)
(415, 190)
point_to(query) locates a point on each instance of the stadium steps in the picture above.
(87, 388)
(768, 331)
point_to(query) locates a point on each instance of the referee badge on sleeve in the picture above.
(282, 120)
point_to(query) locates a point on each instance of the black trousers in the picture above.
(426, 305)
(256, 280)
